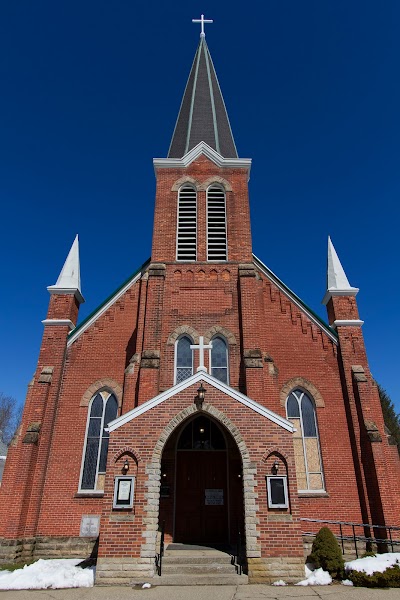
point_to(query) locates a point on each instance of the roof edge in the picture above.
(205, 377)
(331, 333)
(105, 305)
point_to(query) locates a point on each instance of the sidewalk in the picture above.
(243, 592)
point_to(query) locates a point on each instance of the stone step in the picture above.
(205, 579)
(196, 569)
(179, 559)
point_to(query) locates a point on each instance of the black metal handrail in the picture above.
(381, 542)
(237, 558)
(160, 555)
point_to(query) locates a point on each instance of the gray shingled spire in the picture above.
(202, 116)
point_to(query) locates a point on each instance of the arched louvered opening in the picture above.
(216, 224)
(186, 239)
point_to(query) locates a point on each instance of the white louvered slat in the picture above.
(186, 242)
(216, 224)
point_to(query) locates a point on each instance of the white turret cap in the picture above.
(337, 282)
(69, 279)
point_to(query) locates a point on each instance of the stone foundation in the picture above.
(268, 570)
(21, 550)
(123, 570)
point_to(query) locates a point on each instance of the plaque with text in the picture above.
(123, 492)
(90, 526)
(214, 497)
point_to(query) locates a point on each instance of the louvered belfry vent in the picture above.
(186, 243)
(216, 224)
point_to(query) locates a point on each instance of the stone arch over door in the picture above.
(153, 483)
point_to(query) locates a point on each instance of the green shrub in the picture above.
(388, 579)
(326, 553)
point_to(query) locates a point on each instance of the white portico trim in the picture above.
(59, 322)
(206, 379)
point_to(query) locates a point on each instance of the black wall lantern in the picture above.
(199, 399)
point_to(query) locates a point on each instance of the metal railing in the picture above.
(380, 535)
(159, 556)
(237, 558)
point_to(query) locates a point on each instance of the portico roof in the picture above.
(210, 380)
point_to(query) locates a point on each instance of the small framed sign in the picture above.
(123, 492)
(277, 491)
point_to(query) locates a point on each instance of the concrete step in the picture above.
(196, 569)
(205, 579)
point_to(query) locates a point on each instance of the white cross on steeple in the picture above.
(201, 347)
(202, 21)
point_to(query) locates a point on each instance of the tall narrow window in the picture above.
(216, 224)
(186, 239)
(300, 411)
(183, 359)
(103, 409)
(219, 359)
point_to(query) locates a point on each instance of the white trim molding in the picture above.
(336, 292)
(205, 378)
(202, 148)
(60, 322)
(348, 322)
(53, 289)
(103, 309)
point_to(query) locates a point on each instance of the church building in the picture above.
(203, 402)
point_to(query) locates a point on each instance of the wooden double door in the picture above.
(201, 513)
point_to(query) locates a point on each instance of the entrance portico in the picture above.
(203, 471)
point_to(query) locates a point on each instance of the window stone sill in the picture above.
(89, 495)
(313, 494)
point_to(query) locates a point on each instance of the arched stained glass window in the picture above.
(300, 410)
(219, 359)
(183, 359)
(102, 409)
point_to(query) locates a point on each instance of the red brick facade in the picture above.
(275, 344)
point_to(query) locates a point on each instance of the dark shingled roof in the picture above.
(202, 116)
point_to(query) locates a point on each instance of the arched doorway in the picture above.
(203, 503)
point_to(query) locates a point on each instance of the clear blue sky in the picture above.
(90, 91)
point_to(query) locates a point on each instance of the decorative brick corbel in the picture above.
(32, 434)
(253, 359)
(150, 359)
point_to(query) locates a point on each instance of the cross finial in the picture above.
(202, 20)
(201, 346)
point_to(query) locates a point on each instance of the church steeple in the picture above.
(202, 116)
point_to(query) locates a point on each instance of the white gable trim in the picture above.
(202, 148)
(206, 378)
(74, 336)
(272, 277)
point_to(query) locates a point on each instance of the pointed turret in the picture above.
(202, 115)
(69, 280)
(337, 282)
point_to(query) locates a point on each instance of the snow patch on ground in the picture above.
(317, 577)
(43, 574)
(279, 582)
(347, 582)
(369, 564)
